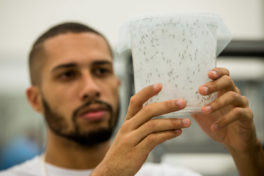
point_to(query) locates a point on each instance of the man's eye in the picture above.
(102, 71)
(68, 75)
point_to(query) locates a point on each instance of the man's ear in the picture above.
(34, 98)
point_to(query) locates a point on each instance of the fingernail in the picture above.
(214, 73)
(186, 122)
(180, 103)
(215, 127)
(157, 86)
(205, 89)
(207, 109)
(178, 131)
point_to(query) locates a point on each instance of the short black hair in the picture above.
(36, 52)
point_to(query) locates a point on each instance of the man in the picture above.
(75, 88)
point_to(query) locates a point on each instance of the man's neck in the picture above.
(64, 153)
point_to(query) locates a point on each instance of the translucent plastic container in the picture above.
(177, 50)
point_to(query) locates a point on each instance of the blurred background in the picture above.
(22, 131)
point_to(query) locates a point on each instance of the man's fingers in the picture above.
(237, 114)
(155, 109)
(218, 72)
(137, 100)
(159, 125)
(223, 83)
(152, 140)
(229, 98)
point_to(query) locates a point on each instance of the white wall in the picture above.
(21, 22)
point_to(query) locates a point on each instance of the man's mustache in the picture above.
(89, 103)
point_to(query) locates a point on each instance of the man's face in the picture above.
(79, 89)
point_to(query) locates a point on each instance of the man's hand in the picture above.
(140, 133)
(228, 119)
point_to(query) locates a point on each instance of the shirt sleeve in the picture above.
(153, 169)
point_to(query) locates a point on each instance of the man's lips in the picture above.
(93, 113)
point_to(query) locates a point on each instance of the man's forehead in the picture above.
(78, 48)
(68, 41)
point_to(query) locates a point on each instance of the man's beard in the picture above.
(57, 123)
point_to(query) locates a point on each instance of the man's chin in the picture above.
(90, 127)
(91, 138)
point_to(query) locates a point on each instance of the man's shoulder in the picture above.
(28, 168)
(157, 169)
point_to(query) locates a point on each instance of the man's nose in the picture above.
(90, 88)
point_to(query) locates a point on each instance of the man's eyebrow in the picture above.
(68, 65)
(71, 65)
(104, 62)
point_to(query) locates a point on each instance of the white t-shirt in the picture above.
(36, 167)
